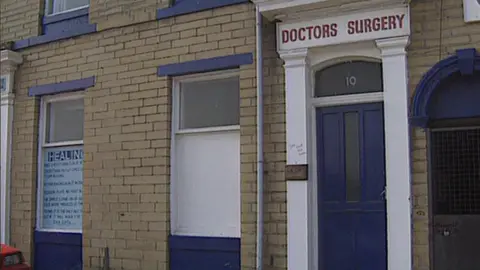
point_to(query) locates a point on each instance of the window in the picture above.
(206, 104)
(59, 6)
(352, 77)
(206, 156)
(61, 164)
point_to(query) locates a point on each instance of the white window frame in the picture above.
(42, 145)
(49, 6)
(175, 128)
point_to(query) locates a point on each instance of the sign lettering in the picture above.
(62, 188)
(363, 26)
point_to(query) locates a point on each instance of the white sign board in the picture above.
(344, 29)
(62, 188)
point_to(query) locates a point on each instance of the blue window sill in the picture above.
(61, 26)
(183, 7)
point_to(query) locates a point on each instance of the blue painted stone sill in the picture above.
(84, 29)
(190, 6)
(61, 26)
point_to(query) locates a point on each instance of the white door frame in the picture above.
(302, 198)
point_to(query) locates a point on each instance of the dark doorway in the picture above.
(455, 183)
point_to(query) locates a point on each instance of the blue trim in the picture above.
(65, 16)
(190, 6)
(205, 243)
(63, 87)
(206, 65)
(204, 253)
(465, 62)
(60, 238)
(78, 31)
(55, 250)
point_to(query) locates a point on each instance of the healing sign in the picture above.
(62, 188)
(343, 29)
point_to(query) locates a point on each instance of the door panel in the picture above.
(351, 171)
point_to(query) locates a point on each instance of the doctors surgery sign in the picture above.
(344, 29)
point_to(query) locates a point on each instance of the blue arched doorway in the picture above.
(447, 104)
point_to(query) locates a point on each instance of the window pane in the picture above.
(62, 188)
(64, 5)
(64, 121)
(355, 77)
(352, 157)
(210, 103)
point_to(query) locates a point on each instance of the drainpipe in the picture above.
(259, 140)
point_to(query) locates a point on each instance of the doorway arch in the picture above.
(446, 104)
(464, 65)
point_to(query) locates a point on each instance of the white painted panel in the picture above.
(207, 184)
(397, 153)
(471, 10)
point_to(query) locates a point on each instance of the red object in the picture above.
(12, 259)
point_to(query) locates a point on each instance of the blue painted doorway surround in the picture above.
(351, 181)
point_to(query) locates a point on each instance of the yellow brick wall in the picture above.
(426, 49)
(116, 13)
(19, 19)
(127, 133)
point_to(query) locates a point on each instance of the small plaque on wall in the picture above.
(3, 84)
(296, 172)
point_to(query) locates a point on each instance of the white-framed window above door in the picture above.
(348, 82)
(205, 155)
(60, 163)
(53, 7)
(349, 78)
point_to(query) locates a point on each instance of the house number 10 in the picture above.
(350, 81)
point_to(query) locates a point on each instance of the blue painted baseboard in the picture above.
(54, 250)
(204, 253)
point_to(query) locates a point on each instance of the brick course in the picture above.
(127, 134)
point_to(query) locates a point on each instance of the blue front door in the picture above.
(351, 177)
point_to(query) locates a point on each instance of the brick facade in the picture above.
(432, 40)
(128, 127)
(20, 19)
(128, 121)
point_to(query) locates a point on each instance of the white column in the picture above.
(397, 147)
(8, 64)
(297, 82)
